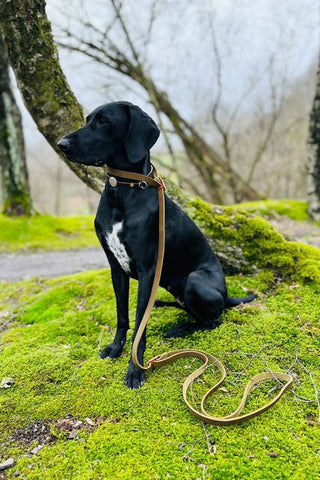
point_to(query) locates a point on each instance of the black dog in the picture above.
(120, 135)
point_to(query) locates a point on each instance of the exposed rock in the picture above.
(7, 464)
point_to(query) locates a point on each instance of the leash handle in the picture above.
(206, 358)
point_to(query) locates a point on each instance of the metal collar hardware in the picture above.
(143, 184)
(113, 181)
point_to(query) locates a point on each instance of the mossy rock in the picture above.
(246, 243)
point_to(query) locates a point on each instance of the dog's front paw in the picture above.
(113, 350)
(134, 378)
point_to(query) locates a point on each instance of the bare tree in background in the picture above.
(214, 171)
(313, 162)
(224, 119)
(211, 163)
(16, 199)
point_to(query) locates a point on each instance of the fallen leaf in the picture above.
(65, 424)
(7, 382)
(223, 390)
(90, 422)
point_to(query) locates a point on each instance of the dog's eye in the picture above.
(102, 121)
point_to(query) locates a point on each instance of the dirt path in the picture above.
(305, 232)
(21, 266)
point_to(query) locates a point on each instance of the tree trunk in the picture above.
(13, 167)
(56, 111)
(45, 91)
(313, 160)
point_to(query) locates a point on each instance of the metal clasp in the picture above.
(113, 181)
(143, 185)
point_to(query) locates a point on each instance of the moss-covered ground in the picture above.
(62, 396)
(46, 233)
(51, 335)
(294, 209)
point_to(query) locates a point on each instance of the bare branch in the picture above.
(275, 113)
(117, 8)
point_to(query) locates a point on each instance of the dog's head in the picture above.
(119, 134)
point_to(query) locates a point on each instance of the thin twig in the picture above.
(314, 387)
(212, 449)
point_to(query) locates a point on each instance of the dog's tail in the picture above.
(234, 301)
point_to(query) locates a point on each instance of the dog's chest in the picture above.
(113, 238)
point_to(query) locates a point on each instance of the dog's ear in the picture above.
(142, 134)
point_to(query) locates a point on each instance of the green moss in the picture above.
(54, 330)
(261, 246)
(46, 233)
(17, 205)
(294, 209)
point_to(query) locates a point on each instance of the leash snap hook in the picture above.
(143, 185)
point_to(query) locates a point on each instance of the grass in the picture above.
(46, 233)
(51, 334)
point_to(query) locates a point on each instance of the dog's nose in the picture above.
(64, 144)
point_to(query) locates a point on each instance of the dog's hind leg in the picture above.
(203, 301)
(120, 282)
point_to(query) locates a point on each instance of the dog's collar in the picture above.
(137, 180)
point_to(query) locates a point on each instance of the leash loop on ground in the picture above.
(207, 359)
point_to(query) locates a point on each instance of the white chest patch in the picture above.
(117, 248)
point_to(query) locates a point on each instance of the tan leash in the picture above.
(207, 358)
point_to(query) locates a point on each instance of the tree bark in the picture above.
(16, 198)
(43, 86)
(313, 160)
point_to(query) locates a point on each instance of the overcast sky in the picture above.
(180, 56)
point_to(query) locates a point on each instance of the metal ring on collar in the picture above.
(113, 181)
(143, 185)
